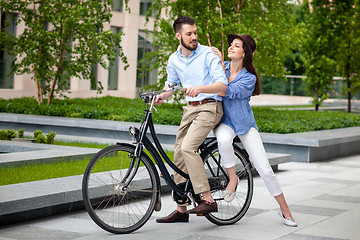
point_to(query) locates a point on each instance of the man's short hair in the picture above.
(181, 21)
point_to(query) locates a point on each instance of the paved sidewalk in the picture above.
(324, 198)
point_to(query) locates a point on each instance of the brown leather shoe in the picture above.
(175, 216)
(204, 207)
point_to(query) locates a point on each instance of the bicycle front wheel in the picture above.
(111, 204)
(228, 213)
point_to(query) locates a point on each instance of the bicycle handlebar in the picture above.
(148, 96)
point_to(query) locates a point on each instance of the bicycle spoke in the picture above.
(113, 206)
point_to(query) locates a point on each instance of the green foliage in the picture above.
(61, 39)
(348, 39)
(271, 85)
(41, 138)
(50, 137)
(318, 50)
(106, 108)
(293, 121)
(7, 134)
(132, 110)
(37, 133)
(332, 46)
(269, 22)
(20, 133)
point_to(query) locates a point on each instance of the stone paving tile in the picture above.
(254, 211)
(30, 232)
(332, 180)
(338, 198)
(326, 206)
(330, 204)
(345, 225)
(316, 210)
(295, 236)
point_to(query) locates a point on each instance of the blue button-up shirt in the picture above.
(202, 67)
(237, 111)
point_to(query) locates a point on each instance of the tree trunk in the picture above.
(348, 80)
(207, 30)
(317, 104)
(222, 32)
(58, 71)
(348, 93)
(39, 94)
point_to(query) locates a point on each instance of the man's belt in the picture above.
(207, 100)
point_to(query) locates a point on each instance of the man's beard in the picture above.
(188, 47)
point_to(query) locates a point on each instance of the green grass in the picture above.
(35, 172)
(82, 144)
(42, 171)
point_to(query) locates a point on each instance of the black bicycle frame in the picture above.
(155, 150)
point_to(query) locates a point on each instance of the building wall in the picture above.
(130, 24)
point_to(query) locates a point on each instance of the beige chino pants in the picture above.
(196, 124)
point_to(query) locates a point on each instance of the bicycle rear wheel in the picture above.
(228, 213)
(113, 207)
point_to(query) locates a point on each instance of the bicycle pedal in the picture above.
(201, 214)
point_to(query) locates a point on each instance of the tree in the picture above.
(348, 45)
(61, 39)
(269, 22)
(319, 49)
(332, 47)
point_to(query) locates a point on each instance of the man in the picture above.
(199, 70)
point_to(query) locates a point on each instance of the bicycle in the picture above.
(121, 184)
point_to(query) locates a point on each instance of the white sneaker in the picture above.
(287, 221)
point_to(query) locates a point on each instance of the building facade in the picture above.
(116, 81)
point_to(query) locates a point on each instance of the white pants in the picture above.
(254, 147)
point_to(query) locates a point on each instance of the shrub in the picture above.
(132, 110)
(21, 133)
(2, 134)
(50, 137)
(37, 133)
(7, 134)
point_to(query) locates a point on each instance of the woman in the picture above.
(238, 119)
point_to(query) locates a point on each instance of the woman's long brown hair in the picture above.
(248, 64)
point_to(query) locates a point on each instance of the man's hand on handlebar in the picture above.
(158, 100)
(193, 91)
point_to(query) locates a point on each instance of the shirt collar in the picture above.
(193, 52)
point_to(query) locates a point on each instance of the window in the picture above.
(144, 77)
(8, 23)
(117, 5)
(114, 69)
(144, 7)
(93, 79)
(94, 71)
(65, 78)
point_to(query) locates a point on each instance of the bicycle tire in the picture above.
(228, 213)
(111, 207)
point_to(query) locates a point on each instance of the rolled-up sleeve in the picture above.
(241, 89)
(216, 70)
(172, 76)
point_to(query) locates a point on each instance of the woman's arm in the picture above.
(218, 53)
(242, 88)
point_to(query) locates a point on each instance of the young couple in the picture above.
(217, 91)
